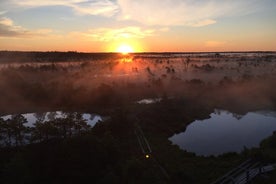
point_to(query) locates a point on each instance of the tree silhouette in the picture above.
(49, 129)
(6, 132)
(69, 123)
(37, 132)
(16, 125)
(51, 116)
(80, 124)
(62, 126)
(2, 131)
(43, 131)
(40, 117)
(186, 62)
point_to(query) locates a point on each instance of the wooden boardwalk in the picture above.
(146, 149)
(244, 173)
(143, 142)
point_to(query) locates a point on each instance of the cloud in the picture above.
(111, 34)
(193, 13)
(6, 21)
(182, 12)
(91, 7)
(3, 12)
(202, 23)
(9, 29)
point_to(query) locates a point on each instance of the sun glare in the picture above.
(125, 49)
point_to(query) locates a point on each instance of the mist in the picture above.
(236, 81)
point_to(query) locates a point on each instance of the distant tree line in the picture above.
(18, 56)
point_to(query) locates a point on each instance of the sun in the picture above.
(125, 49)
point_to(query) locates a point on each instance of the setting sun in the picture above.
(125, 49)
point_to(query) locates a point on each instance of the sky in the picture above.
(144, 25)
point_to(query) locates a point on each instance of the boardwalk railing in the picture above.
(244, 173)
(146, 149)
(143, 142)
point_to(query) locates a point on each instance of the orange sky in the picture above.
(104, 25)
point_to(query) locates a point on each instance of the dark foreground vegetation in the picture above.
(190, 87)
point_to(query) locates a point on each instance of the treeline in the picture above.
(70, 56)
(13, 131)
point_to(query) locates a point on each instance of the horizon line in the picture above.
(146, 52)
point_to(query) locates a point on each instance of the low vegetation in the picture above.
(69, 151)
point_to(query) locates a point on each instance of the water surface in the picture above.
(226, 132)
(149, 101)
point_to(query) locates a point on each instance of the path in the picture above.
(244, 173)
(146, 149)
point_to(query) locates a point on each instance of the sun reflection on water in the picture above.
(126, 59)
